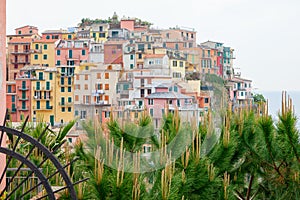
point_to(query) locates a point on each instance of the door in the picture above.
(52, 120)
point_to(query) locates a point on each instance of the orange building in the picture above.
(19, 49)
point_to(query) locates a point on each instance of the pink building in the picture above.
(2, 80)
(27, 30)
(72, 52)
(113, 52)
(170, 98)
(127, 24)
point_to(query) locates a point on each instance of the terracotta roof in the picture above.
(154, 55)
(21, 40)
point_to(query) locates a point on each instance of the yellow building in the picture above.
(43, 91)
(43, 52)
(68, 36)
(64, 97)
(177, 67)
(53, 92)
(99, 31)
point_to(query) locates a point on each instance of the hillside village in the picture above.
(118, 67)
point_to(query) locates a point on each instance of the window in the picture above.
(150, 101)
(58, 52)
(36, 46)
(102, 35)
(70, 99)
(178, 102)
(70, 53)
(106, 87)
(19, 32)
(170, 102)
(106, 98)
(45, 56)
(82, 114)
(41, 74)
(62, 89)
(206, 100)
(98, 75)
(9, 89)
(36, 57)
(62, 80)
(63, 109)
(58, 62)
(176, 46)
(45, 47)
(106, 75)
(131, 57)
(174, 63)
(181, 64)
(62, 101)
(86, 67)
(48, 37)
(50, 76)
(13, 98)
(76, 98)
(86, 86)
(131, 66)
(208, 53)
(149, 46)
(86, 77)
(76, 112)
(151, 112)
(38, 105)
(69, 109)
(94, 35)
(69, 80)
(47, 85)
(175, 88)
(140, 56)
(48, 105)
(83, 52)
(69, 89)
(38, 85)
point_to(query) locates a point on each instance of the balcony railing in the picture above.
(19, 61)
(23, 88)
(26, 98)
(41, 98)
(67, 104)
(43, 108)
(23, 108)
(19, 51)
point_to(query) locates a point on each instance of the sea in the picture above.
(274, 100)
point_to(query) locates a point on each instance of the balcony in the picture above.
(23, 88)
(19, 61)
(47, 88)
(43, 108)
(66, 104)
(23, 108)
(97, 93)
(23, 51)
(38, 98)
(26, 98)
(72, 57)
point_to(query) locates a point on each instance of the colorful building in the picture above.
(72, 52)
(19, 49)
(43, 52)
(168, 99)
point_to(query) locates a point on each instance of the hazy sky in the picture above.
(264, 33)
